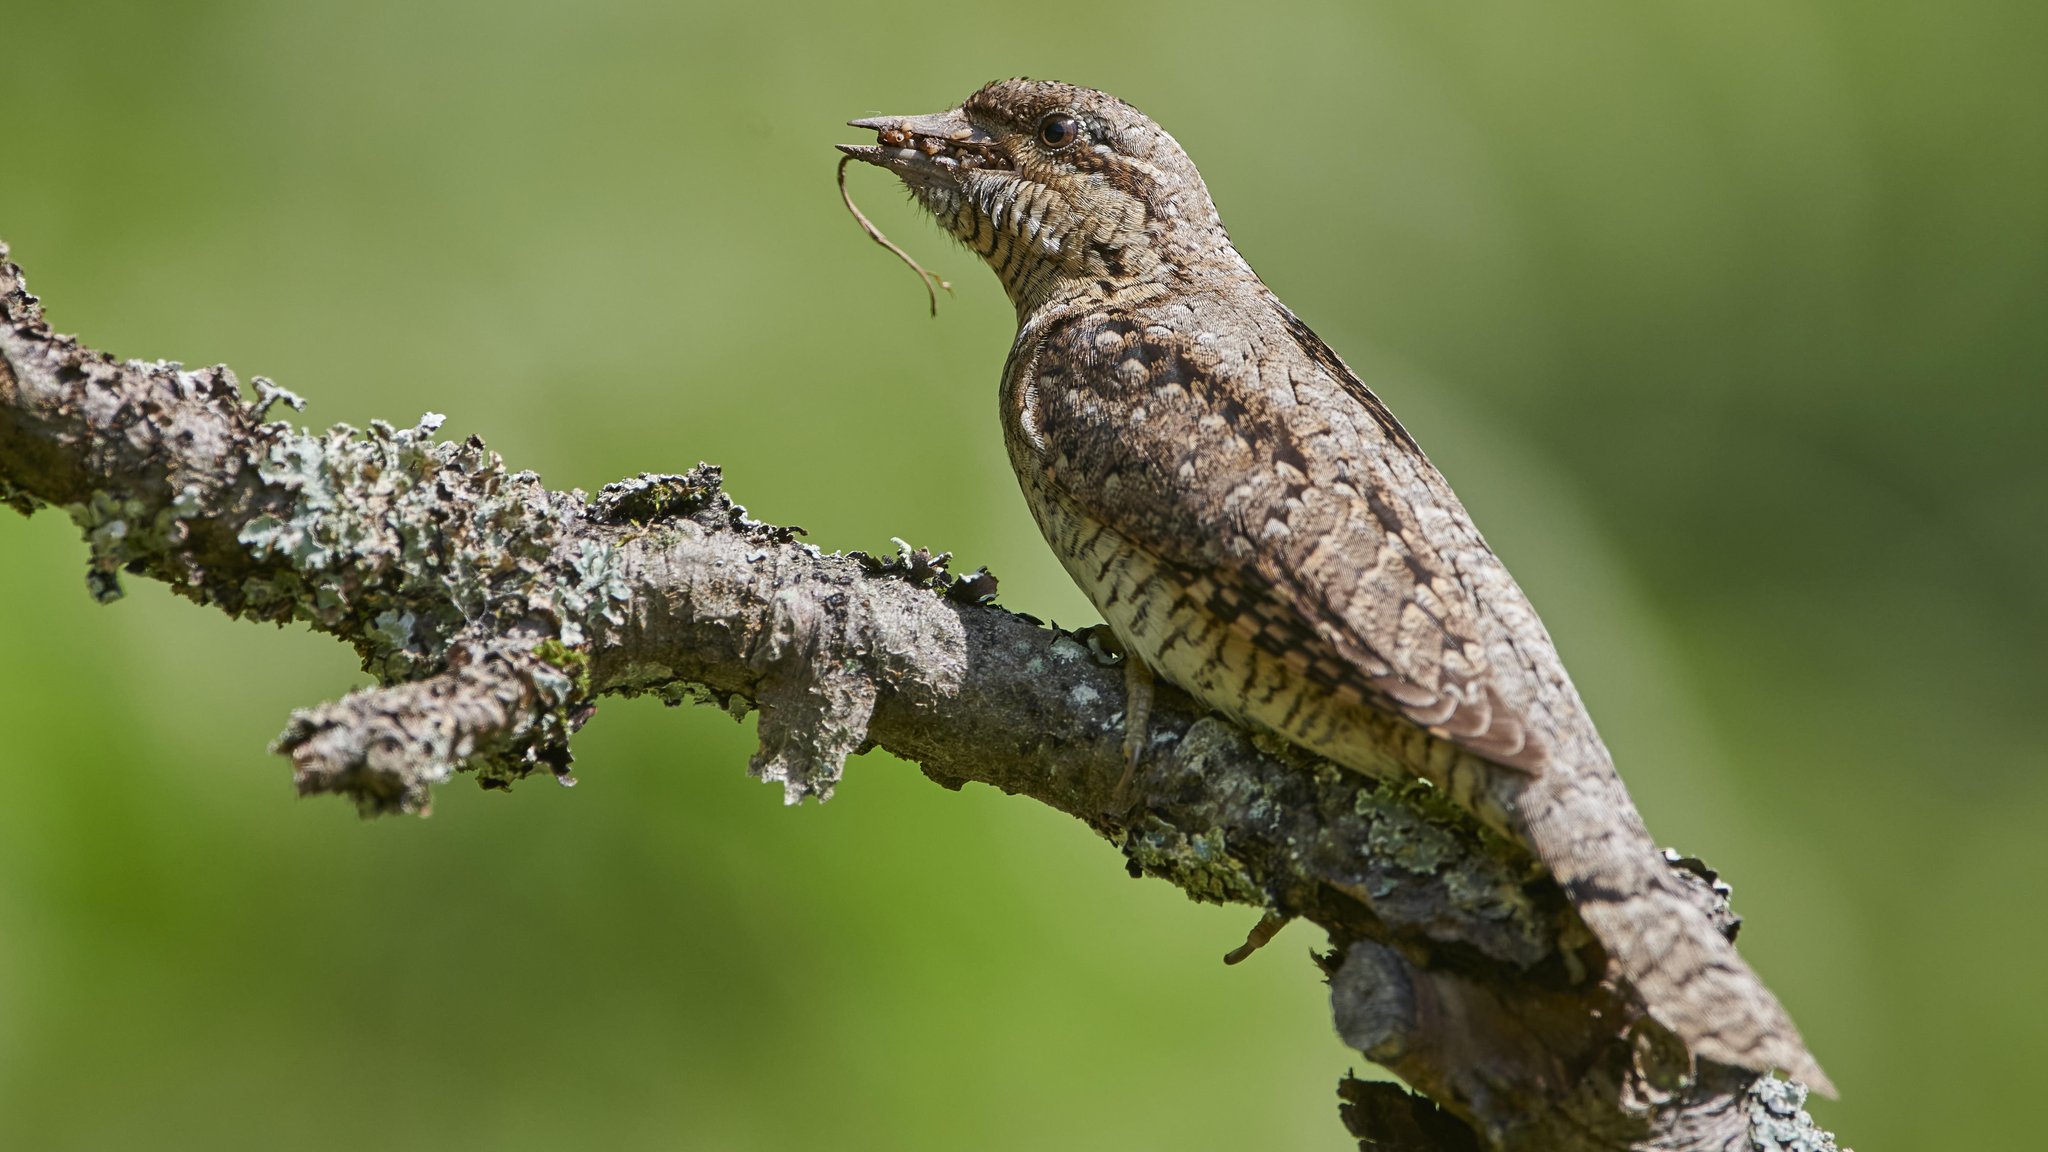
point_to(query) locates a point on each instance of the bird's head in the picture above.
(1067, 192)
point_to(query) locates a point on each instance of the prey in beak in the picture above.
(927, 153)
(922, 149)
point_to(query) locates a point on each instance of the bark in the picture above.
(494, 613)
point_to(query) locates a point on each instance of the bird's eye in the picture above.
(1058, 130)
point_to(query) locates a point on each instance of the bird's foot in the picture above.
(1109, 651)
(1137, 730)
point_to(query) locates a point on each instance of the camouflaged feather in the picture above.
(1259, 529)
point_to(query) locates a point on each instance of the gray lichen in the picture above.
(121, 531)
(367, 542)
(408, 544)
(1779, 1122)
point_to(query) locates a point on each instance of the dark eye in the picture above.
(1058, 130)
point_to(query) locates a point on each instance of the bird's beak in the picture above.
(937, 146)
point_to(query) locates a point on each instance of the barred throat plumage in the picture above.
(1258, 528)
(1035, 242)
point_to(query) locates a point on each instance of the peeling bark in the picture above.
(494, 613)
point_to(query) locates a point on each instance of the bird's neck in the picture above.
(1067, 245)
(1043, 290)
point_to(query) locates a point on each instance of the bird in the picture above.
(1258, 529)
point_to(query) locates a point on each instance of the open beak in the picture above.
(935, 147)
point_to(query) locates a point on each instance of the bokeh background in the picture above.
(1727, 320)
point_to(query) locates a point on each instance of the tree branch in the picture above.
(493, 613)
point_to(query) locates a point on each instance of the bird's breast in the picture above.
(1165, 616)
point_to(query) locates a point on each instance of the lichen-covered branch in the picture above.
(494, 613)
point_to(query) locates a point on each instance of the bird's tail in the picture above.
(1690, 978)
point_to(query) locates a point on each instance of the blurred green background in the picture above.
(1726, 320)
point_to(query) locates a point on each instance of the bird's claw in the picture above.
(1261, 934)
(1137, 731)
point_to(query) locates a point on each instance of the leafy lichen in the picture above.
(362, 539)
(123, 530)
(1779, 1122)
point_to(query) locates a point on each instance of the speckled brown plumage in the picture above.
(1258, 528)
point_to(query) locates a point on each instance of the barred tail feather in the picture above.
(1688, 974)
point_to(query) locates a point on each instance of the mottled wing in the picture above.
(1259, 462)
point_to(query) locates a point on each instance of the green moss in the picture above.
(1200, 864)
(17, 499)
(571, 661)
(654, 496)
(1414, 827)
